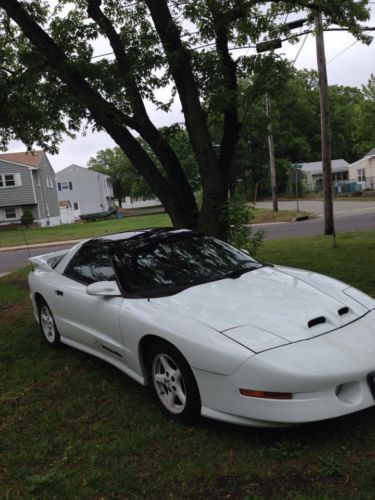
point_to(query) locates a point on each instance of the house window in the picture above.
(37, 176)
(75, 205)
(362, 175)
(49, 182)
(67, 185)
(59, 186)
(10, 180)
(10, 213)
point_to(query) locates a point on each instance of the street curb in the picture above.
(300, 218)
(41, 245)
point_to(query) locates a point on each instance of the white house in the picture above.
(314, 174)
(86, 190)
(363, 171)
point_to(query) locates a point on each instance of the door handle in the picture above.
(59, 292)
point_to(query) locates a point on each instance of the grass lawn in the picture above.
(13, 237)
(71, 426)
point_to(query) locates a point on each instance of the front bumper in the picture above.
(327, 376)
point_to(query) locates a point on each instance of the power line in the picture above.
(339, 54)
(364, 28)
(300, 48)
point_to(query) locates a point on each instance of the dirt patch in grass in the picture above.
(262, 216)
(12, 312)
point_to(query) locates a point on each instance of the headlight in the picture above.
(360, 297)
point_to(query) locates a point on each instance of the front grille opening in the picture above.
(316, 321)
(343, 310)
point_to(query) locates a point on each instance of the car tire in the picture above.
(173, 383)
(47, 325)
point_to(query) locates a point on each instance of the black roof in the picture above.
(141, 233)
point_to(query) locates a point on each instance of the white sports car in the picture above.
(215, 332)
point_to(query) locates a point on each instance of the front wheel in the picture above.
(173, 382)
(47, 326)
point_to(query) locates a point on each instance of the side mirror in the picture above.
(104, 289)
(243, 250)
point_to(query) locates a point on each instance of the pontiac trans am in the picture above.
(213, 331)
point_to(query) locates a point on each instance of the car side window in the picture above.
(91, 264)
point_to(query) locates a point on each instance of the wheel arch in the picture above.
(39, 299)
(144, 348)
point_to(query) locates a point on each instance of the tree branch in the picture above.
(232, 125)
(105, 114)
(144, 126)
(182, 72)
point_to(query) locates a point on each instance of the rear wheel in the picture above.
(173, 382)
(47, 325)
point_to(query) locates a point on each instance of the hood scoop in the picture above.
(316, 321)
(322, 319)
(343, 310)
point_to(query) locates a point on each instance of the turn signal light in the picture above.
(265, 394)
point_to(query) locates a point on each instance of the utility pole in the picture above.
(325, 128)
(271, 149)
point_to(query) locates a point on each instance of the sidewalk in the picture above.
(41, 245)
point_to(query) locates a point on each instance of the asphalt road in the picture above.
(349, 216)
(14, 259)
(312, 227)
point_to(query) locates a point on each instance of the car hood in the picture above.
(270, 306)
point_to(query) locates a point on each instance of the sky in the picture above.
(348, 63)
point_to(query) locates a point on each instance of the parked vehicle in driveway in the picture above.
(213, 331)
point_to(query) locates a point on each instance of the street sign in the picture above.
(295, 175)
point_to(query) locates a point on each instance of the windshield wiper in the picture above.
(239, 272)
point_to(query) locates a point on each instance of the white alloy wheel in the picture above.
(47, 326)
(169, 383)
(173, 382)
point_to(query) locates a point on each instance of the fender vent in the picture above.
(343, 310)
(316, 321)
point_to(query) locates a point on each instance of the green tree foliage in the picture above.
(296, 128)
(52, 84)
(364, 131)
(126, 180)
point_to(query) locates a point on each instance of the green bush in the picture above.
(27, 218)
(236, 217)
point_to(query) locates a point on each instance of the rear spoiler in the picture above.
(49, 260)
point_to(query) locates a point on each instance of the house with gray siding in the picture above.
(27, 181)
(87, 191)
(313, 173)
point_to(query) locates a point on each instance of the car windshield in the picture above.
(171, 262)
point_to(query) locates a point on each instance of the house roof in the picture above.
(370, 153)
(339, 165)
(365, 158)
(84, 170)
(31, 159)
